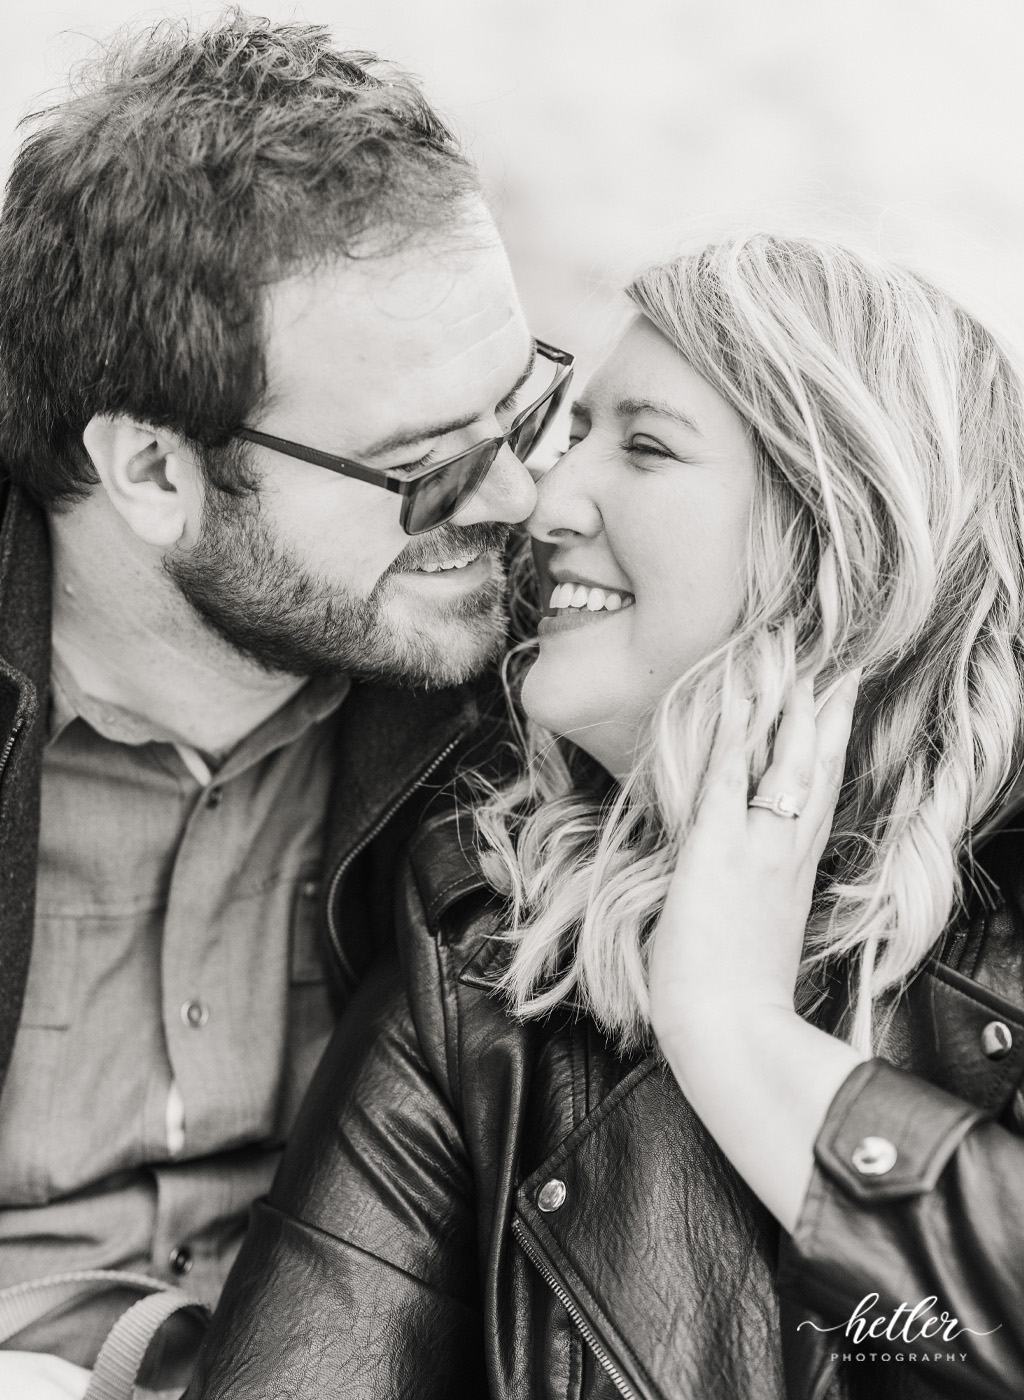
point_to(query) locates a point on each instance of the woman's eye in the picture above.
(645, 447)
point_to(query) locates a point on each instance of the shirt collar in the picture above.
(317, 699)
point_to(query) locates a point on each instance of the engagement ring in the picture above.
(781, 805)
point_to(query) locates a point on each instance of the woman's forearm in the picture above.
(762, 1079)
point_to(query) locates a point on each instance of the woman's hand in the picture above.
(728, 947)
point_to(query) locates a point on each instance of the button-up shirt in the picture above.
(176, 1004)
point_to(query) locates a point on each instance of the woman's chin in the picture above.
(565, 706)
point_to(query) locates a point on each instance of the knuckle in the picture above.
(732, 780)
(834, 767)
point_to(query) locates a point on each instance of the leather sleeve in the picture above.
(358, 1276)
(941, 1225)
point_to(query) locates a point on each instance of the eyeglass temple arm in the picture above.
(325, 459)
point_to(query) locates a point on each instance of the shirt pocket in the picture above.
(52, 973)
(28, 1133)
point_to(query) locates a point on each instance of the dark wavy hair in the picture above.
(146, 215)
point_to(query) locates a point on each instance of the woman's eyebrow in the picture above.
(628, 408)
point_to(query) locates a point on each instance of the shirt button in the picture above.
(874, 1156)
(194, 1014)
(551, 1196)
(180, 1259)
(996, 1040)
(213, 797)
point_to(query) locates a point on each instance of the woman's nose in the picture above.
(565, 504)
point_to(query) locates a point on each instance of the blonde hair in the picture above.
(887, 532)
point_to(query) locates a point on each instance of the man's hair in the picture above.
(146, 215)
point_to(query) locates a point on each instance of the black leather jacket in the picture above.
(471, 1207)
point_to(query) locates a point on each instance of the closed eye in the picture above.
(647, 447)
(406, 468)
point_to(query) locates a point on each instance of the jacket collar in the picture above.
(24, 669)
(24, 602)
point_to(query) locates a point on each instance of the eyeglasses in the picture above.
(433, 493)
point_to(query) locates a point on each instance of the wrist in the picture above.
(703, 1021)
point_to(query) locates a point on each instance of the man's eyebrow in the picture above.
(411, 436)
(629, 408)
(509, 398)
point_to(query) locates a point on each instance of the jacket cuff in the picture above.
(888, 1135)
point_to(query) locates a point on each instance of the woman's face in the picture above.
(645, 525)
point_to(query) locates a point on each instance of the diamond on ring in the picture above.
(780, 805)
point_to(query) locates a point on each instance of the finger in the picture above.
(791, 772)
(725, 788)
(834, 724)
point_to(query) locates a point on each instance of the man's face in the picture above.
(382, 361)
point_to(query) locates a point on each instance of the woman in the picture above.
(799, 468)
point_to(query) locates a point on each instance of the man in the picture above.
(245, 281)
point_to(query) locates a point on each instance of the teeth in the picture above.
(579, 597)
(445, 564)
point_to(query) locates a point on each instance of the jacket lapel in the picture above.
(642, 1180)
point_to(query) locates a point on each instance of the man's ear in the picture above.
(150, 481)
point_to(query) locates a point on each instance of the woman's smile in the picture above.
(642, 533)
(577, 602)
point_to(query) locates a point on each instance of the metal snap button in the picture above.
(194, 1014)
(310, 889)
(180, 1259)
(213, 797)
(551, 1196)
(874, 1156)
(996, 1040)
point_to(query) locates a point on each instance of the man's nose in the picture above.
(506, 494)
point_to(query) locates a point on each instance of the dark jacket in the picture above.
(473, 1207)
(395, 749)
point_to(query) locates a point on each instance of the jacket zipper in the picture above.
(15, 731)
(547, 1274)
(357, 850)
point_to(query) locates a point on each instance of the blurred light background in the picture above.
(613, 132)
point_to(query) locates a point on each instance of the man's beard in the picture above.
(258, 597)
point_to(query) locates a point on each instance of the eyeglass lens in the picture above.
(437, 498)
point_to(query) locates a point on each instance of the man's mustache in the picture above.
(447, 540)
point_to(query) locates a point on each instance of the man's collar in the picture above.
(315, 701)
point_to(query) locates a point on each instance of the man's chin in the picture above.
(440, 651)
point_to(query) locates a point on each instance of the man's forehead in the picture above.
(357, 335)
(408, 297)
